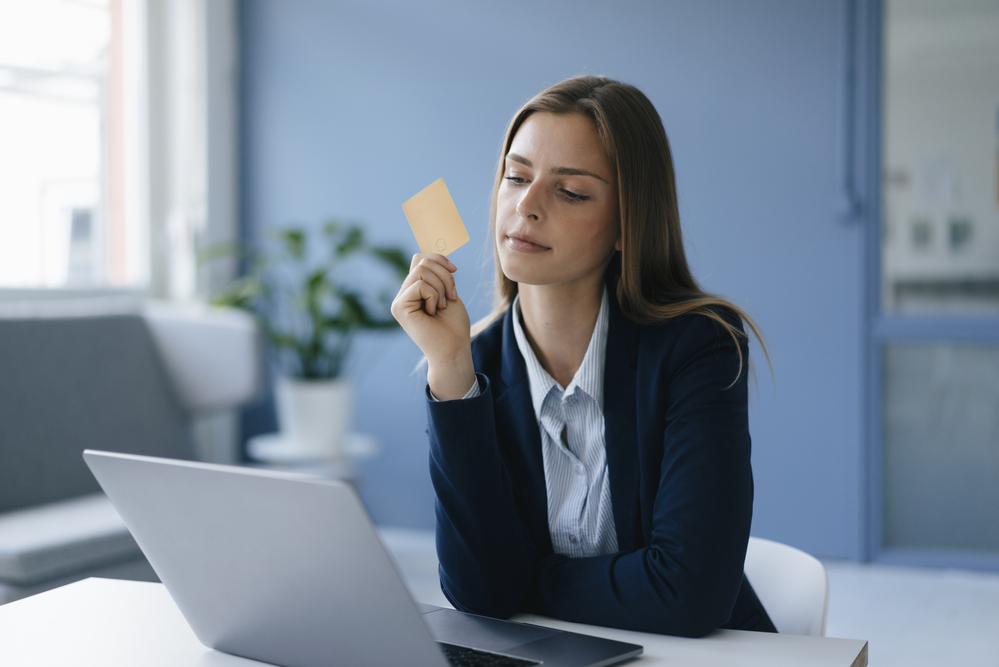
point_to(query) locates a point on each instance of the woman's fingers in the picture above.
(429, 297)
(445, 276)
(430, 278)
(443, 266)
(429, 284)
(422, 273)
(435, 256)
(431, 270)
(420, 296)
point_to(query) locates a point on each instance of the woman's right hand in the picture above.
(430, 312)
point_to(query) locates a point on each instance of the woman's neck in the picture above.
(559, 321)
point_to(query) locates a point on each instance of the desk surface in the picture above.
(109, 622)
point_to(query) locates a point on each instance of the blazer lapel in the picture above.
(516, 424)
(620, 433)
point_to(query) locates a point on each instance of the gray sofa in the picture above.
(101, 374)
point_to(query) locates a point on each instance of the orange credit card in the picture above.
(434, 218)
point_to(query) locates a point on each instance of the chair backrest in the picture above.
(791, 584)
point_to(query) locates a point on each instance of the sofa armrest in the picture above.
(57, 538)
(213, 355)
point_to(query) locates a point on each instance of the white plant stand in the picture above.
(276, 451)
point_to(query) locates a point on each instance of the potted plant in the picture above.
(309, 316)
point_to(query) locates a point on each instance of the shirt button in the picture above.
(573, 539)
(579, 469)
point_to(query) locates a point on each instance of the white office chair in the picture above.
(791, 584)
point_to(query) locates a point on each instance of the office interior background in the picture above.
(838, 176)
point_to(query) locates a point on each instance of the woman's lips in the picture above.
(524, 246)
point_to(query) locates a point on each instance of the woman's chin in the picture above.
(519, 271)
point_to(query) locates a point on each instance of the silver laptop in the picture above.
(288, 569)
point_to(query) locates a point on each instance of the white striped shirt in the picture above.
(580, 516)
(580, 519)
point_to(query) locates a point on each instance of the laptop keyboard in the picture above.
(459, 656)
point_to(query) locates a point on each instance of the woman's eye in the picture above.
(568, 194)
(572, 196)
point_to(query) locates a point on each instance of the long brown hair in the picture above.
(655, 282)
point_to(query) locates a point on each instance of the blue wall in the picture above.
(351, 107)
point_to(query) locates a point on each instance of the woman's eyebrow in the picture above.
(566, 171)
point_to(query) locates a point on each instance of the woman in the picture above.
(589, 444)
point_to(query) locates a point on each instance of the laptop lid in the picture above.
(272, 566)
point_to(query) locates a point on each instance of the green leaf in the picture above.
(241, 293)
(338, 324)
(352, 242)
(394, 257)
(331, 228)
(352, 309)
(316, 281)
(215, 251)
(382, 324)
(286, 341)
(316, 286)
(293, 239)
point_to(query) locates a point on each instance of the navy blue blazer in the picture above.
(678, 455)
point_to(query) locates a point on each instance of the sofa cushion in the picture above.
(58, 538)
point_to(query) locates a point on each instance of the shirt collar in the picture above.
(589, 376)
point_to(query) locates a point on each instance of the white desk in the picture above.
(110, 622)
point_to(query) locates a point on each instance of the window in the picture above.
(941, 152)
(69, 164)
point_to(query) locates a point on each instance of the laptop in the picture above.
(288, 569)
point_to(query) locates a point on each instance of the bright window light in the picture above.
(64, 147)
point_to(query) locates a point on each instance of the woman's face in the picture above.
(557, 191)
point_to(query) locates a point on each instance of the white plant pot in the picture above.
(314, 415)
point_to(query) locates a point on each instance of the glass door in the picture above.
(935, 314)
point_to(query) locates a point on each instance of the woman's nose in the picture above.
(529, 205)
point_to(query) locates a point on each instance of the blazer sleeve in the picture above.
(685, 582)
(486, 562)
